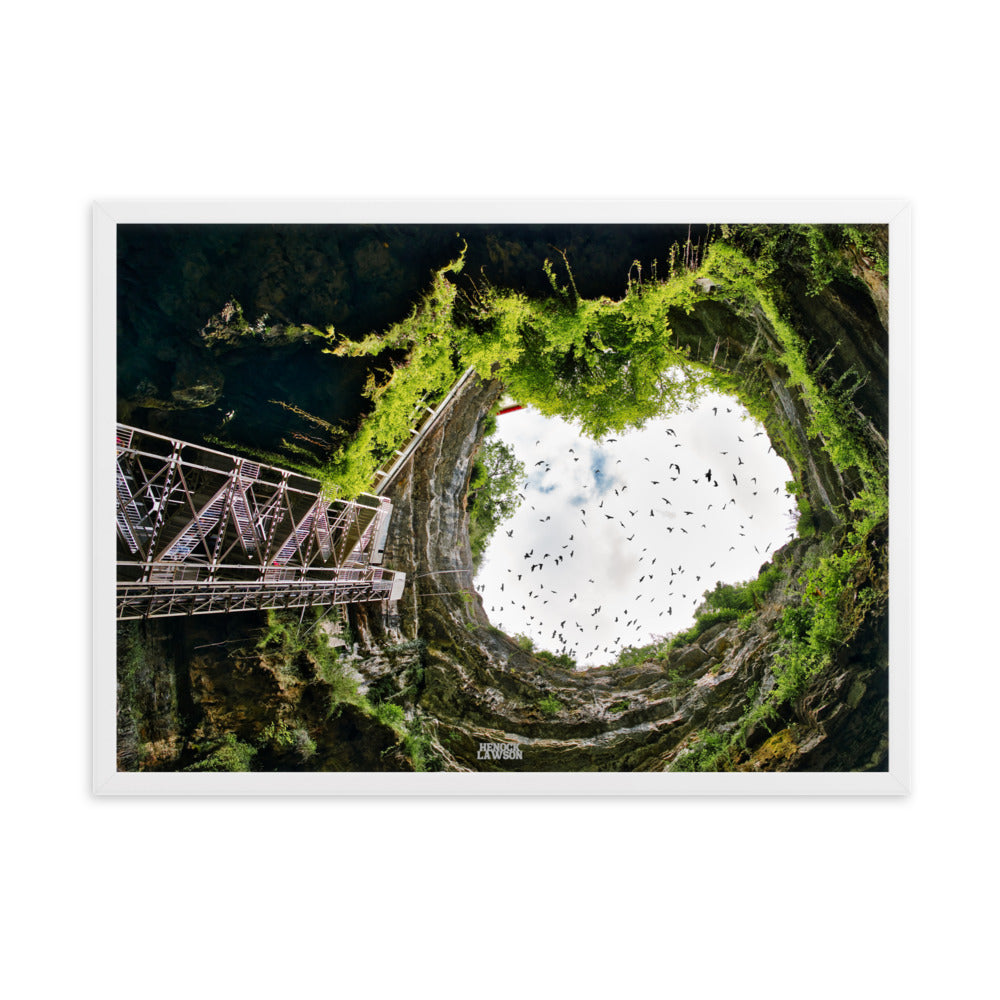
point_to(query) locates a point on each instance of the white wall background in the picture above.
(496, 898)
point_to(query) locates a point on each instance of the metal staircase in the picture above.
(201, 531)
(198, 529)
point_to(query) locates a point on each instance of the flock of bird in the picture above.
(555, 588)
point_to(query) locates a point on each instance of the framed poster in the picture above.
(502, 498)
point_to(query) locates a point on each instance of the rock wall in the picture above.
(479, 686)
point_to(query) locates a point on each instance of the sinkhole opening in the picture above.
(614, 543)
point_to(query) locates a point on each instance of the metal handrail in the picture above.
(407, 453)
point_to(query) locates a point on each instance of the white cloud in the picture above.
(628, 569)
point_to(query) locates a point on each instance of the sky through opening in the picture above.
(616, 541)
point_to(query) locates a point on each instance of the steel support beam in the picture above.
(240, 536)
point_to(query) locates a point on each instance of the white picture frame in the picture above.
(107, 780)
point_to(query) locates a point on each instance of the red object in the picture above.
(509, 409)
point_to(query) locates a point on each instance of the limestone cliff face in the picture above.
(479, 686)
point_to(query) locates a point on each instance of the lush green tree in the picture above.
(497, 479)
(606, 365)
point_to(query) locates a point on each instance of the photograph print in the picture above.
(502, 498)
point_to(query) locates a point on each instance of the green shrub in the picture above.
(865, 238)
(563, 660)
(633, 656)
(389, 714)
(550, 705)
(728, 602)
(742, 596)
(795, 622)
(286, 639)
(229, 755)
(420, 747)
(702, 624)
(277, 736)
(281, 738)
(708, 752)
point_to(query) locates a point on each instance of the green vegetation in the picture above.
(281, 739)
(833, 602)
(834, 605)
(286, 640)
(423, 378)
(413, 735)
(739, 597)
(278, 736)
(601, 364)
(292, 456)
(229, 754)
(634, 656)
(609, 365)
(838, 594)
(604, 364)
(825, 252)
(563, 660)
(389, 714)
(147, 702)
(550, 705)
(702, 624)
(805, 523)
(835, 423)
(229, 324)
(493, 496)
(419, 747)
(868, 241)
(703, 754)
(725, 602)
